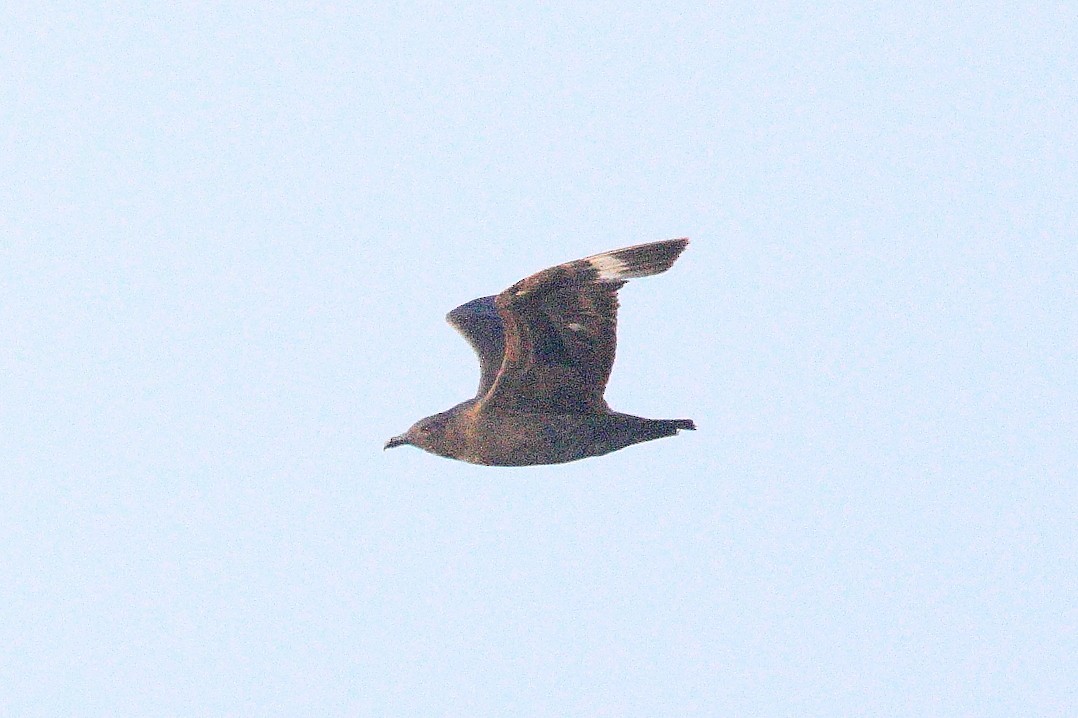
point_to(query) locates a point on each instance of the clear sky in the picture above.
(229, 234)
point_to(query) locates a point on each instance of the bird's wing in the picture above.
(479, 323)
(560, 330)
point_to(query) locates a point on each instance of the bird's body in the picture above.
(513, 438)
(545, 348)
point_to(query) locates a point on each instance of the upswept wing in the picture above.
(479, 323)
(559, 328)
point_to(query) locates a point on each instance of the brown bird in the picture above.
(546, 346)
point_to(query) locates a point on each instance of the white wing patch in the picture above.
(609, 267)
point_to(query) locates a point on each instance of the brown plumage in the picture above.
(546, 346)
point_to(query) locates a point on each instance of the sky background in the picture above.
(229, 234)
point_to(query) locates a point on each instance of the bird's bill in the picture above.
(395, 441)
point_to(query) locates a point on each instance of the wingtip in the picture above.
(640, 260)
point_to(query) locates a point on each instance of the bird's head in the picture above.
(427, 434)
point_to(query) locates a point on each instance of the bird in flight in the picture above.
(546, 347)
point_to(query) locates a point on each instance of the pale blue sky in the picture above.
(228, 238)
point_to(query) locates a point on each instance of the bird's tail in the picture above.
(658, 428)
(610, 432)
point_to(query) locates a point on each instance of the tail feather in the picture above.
(659, 428)
(610, 432)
